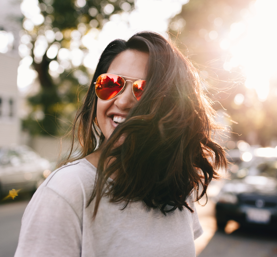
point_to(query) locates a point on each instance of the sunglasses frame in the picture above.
(133, 80)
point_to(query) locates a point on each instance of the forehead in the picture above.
(130, 63)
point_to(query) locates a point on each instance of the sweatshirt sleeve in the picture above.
(197, 228)
(50, 227)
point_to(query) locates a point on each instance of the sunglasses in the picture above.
(108, 86)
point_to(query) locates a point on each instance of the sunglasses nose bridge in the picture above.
(128, 80)
(131, 82)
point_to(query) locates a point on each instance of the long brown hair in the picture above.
(167, 151)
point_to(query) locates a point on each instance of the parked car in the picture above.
(21, 168)
(250, 196)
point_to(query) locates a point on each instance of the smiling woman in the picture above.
(146, 149)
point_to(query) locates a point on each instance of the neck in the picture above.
(93, 158)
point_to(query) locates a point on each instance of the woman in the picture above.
(144, 130)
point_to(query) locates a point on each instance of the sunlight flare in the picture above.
(256, 51)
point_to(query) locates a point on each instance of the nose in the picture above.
(125, 101)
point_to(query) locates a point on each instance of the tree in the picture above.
(52, 31)
(199, 31)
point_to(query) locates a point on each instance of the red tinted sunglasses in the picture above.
(108, 86)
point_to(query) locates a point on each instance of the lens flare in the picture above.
(256, 51)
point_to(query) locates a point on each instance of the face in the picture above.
(130, 63)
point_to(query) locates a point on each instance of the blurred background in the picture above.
(48, 52)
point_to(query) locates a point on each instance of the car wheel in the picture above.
(221, 224)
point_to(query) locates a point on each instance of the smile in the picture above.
(118, 119)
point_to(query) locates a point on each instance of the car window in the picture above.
(14, 157)
(28, 156)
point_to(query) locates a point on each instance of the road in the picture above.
(10, 219)
(235, 243)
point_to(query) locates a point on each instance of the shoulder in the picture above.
(71, 175)
(73, 182)
(197, 228)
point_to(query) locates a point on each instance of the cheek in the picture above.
(101, 112)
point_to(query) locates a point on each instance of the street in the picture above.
(10, 219)
(238, 242)
(211, 244)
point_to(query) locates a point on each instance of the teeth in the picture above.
(118, 119)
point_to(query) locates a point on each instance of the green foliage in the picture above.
(54, 106)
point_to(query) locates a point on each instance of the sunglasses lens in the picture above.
(108, 86)
(138, 88)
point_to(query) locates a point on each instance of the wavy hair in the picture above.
(168, 150)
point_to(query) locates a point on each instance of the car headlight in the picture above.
(227, 198)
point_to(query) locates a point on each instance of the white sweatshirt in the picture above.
(57, 223)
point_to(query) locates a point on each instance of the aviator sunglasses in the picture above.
(108, 86)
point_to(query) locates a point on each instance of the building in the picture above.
(9, 61)
(9, 97)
